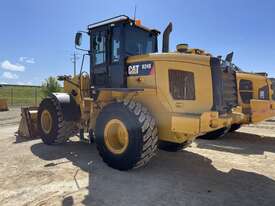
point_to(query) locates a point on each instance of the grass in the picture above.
(18, 95)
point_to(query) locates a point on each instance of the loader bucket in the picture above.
(3, 105)
(28, 124)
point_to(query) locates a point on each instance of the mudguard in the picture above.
(69, 108)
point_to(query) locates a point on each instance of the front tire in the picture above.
(235, 127)
(126, 135)
(51, 124)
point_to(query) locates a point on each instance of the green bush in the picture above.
(50, 85)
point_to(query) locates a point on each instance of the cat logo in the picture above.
(140, 68)
(133, 69)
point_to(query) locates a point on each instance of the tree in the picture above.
(50, 85)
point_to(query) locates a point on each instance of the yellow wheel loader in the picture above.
(134, 98)
(255, 98)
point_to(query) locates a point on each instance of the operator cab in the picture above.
(111, 42)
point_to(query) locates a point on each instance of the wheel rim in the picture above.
(46, 121)
(116, 136)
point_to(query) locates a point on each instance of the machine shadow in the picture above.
(182, 178)
(240, 143)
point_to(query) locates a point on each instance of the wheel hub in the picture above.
(46, 121)
(116, 136)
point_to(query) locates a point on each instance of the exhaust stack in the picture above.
(229, 57)
(165, 40)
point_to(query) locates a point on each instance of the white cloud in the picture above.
(30, 61)
(3, 83)
(9, 75)
(27, 60)
(7, 65)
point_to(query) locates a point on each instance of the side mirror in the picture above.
(78, 39)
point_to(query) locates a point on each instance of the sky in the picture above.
(37, 37)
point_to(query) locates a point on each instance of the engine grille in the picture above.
(182, 85)
(225, 93)
(230, 91)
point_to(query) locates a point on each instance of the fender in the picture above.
(69, 108)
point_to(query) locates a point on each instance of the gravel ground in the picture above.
(11, 117)
(237, 169)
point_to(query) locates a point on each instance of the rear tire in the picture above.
(59, 130)
(173, 147)
(214, 134)
(235, 127)
(142, 135)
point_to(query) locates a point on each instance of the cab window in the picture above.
(139, 42)
(264, 93)
(116, 45)
(99, 48)
(246, 85)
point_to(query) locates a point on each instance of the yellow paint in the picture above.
(116, 136)
(81, 87)
(177, 120)
(46, 121)
(257, 110)
(260, 110)
(186, 124)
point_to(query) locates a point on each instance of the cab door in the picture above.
(99, 58)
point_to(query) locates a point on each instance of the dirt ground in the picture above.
(237, 169)
(11, 117)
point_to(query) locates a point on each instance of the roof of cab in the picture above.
(118, 19)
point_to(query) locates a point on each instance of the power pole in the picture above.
(74, 58)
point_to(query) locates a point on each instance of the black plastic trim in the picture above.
(217, 84)
(121, 89)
